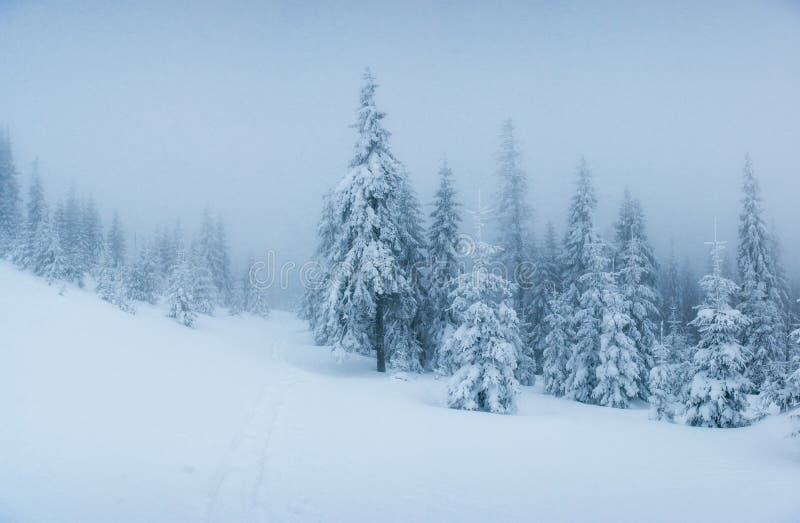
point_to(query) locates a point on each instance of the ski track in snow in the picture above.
(238, 486)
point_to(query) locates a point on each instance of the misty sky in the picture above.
(159, 110)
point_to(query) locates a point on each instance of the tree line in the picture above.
(598, 320)
(67, 243)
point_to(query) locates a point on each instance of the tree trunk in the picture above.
(381, 353)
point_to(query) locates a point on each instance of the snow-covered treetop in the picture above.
(580, 224)
(371, 133)
(718, 289)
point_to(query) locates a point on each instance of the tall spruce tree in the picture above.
(115, 242)
(717, 394)
(36, 208)
(546, 281)
(619, 365)
(256, 300)
(513, 213)
(10, 220)
(637, 270)
(514, 237)
(371, 285)
(91, 235)
(444, 263)
(165, 248)
(181, 302)
(408, 340)
(691, 294)
(50, 261)
(68, 222)
(582, 288)
(202, 290)
(212, 248)
(557, 343)
(584, 357)
(316, 277)
(112, 283)
(580, 232)
(670, 286)
(664, 382)
(143, 282)
(761, 290)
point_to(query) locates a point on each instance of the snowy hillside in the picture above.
(113, 417)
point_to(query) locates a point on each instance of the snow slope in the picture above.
(110, 417)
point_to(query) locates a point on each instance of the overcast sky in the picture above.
(159, 110)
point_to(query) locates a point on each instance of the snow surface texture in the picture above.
(105, 416)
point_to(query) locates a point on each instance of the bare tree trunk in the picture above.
(381, 353)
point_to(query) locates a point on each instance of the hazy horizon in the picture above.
(160, 111)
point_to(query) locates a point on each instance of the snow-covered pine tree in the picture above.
(371, 282)
(588, 316)
(662, 384)
(557, 343)
(620, 362)
(10, 220)
(484, 346)
(681, 353)
(212, 248)
(237, 302)
(760, 292)
(255, 295)
(316, 277)
(221, 262)
(68, 223)
(115, 242)
(514, 237)
(581, 287)
(789, 310)
(50, 261)
(166, 245)
(546, 281)
(637, 275)
(678, 295)
(36, 208)
(143, 282)
(180, 301)
(203, 292)
(717, 394)
(112, 285)
(580, 233)
(407, 333)
(785, 393)
(444, 264)
(92, 242)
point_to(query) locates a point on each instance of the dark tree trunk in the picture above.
(381, 353)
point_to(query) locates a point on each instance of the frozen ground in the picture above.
(110, 417)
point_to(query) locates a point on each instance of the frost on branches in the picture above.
(180, 300)
(760, 293)
(556, 344)
(514, 239)
(485, 344)
(444, 266)
(717, 394)
(637, 267)
(546, 281)
(664, 382)
(588, 318)
(112, 286)
(619, 371)
(371, 298)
